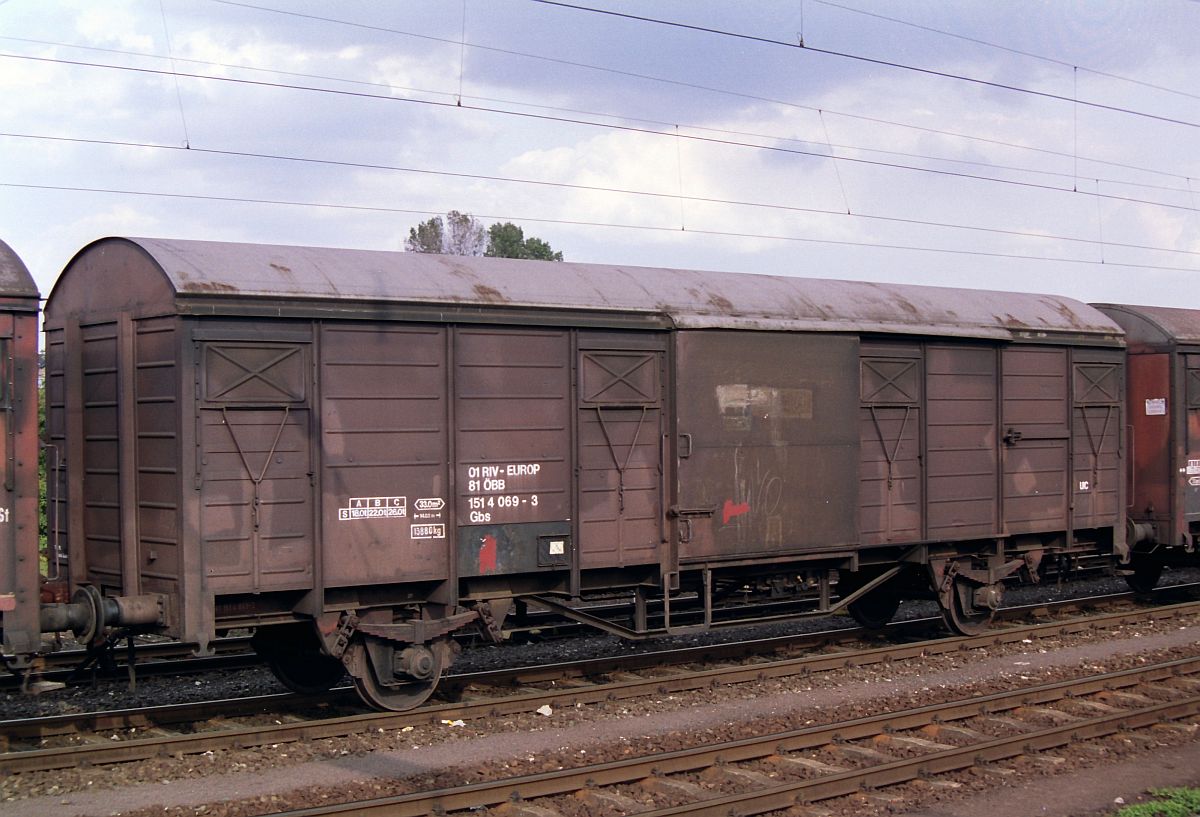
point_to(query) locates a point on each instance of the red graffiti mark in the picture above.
(731, 510)
(487, 555)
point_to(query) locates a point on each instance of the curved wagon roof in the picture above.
(15, 280)
(207, 277)
(1156, 325)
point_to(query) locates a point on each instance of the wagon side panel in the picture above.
(620, 420)
(891, 416)
(19, 568)
(383, 447)
(1149, 438)
(961, 384)
(157, 415)
(513, 451)
(100, 508)
(1098, 423)
(1035, 435)
(1191, 466)
(255, 469)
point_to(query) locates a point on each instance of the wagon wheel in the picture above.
(874, 610)
(293, 653)
(1146, 573)
(961, 616)
(306, 672)
(399, 695)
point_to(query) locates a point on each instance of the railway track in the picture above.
(779, 771)
(452, 685)
(162, 657)
(147, 733)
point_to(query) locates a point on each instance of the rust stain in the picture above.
(281, 268)
(489, 294)
(889, 296)
(455, 266)
(907, 306)
(209, 286)
(1069, 315)
(721, 304)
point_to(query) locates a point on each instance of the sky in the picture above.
(1022, 146)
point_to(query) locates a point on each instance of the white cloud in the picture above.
(116, 23)
(124, 105)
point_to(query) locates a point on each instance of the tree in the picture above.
(462, 234)
(458, 234)
(507, 240)
(426, 236)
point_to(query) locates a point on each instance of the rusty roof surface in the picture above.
(688, 298)
(1176, 325)
(15, 280)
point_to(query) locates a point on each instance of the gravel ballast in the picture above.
(293, 775)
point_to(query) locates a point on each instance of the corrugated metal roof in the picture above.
(15, 280)
(1176, 325)
(689, 298)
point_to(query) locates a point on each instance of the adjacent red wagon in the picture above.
(1164, 435)
(20, 585)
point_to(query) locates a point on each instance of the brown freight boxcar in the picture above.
(1164, 436)
(19, 546)
(360, 453)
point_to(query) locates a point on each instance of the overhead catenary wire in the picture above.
(1007, 48)
(1016, 146)
(171, 55)
(827, 153)
(665, 80)
(590, 123)
(664, 195)
(613, 225)
(870, 60)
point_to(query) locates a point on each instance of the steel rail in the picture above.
(527, 701)
(158, 658)
(786, 795)
(169, 714)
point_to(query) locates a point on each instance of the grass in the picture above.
(1167, 803)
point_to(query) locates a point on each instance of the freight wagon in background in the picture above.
(362, 453)
(1164, 436)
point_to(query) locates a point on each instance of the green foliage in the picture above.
(1169, 803)
(462, 234)
(507, 240)
(426, 236)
